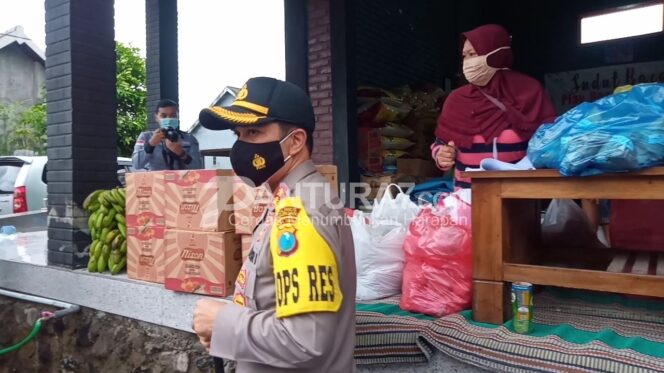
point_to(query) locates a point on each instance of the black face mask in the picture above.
(257, 162)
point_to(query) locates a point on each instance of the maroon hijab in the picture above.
(468, 112)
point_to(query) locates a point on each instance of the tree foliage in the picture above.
(25, 129)
(131, 97)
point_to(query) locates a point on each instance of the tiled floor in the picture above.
(27, 247)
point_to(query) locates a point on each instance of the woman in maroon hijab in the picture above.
(496, 114)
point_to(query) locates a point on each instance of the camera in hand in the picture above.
(171, 134)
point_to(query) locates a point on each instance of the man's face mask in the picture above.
(258, 162)
(166, 123)
(477, 71)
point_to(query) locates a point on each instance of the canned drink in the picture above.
(522, 307)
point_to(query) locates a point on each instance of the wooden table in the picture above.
(507, 247)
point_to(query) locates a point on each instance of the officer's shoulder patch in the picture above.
(306, 273)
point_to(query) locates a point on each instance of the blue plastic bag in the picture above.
(432, 190)
(621, 132)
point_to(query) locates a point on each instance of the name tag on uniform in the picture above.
(186, 143)
(306, 274)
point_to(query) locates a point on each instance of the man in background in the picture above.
(166, 148)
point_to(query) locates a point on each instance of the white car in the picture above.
(23, 182)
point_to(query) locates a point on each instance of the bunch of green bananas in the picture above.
(108, 230)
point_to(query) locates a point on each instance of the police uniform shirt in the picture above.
(159, 158)
(294, 302)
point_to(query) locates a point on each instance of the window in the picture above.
(640, 19)
(44, 176)
(8, 173)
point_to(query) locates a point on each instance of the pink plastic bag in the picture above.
(437, 278)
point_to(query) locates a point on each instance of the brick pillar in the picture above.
(320, 78)
(81, 119)
(296, 43)
(162, 53)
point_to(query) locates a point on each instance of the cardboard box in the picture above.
(331, 174)
(243, 201)
(199, 200)
(249, 204)
(146, 199)
(372, 161)
(246, 246)
(370, 149)
(146, 219)
(369, 139)
(202, 262)
(418, 168)
(145, 253)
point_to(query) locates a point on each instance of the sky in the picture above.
(220, 42)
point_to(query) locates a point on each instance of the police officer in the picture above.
(294, 302)
(166, 148)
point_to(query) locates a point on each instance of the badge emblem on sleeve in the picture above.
(286, 228)
(287, 242)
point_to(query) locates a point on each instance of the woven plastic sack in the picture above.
(396, 143)
(390, 156)
(396, 130)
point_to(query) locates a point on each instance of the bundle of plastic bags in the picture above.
(378, 239)
(621, 132)
(437, 276)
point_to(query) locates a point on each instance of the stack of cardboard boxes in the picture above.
(203, 252)
(146, 226)
(192, 212)
(250, 205)
(191, 230)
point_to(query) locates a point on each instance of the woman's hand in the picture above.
(446, 156)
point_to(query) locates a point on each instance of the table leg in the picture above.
(490, 302)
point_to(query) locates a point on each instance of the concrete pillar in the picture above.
(81, 119)
(296, 43)
(161, 54)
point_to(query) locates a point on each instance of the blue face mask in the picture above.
(169, 123)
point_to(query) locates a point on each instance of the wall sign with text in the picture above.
(570, 88)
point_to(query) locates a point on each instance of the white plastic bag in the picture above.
(566, 225)
(378, 259)
(398, 209)
(378, 239)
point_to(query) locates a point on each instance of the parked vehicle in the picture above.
(23, 182)
(124, 166)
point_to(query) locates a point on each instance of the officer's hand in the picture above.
(157, 137)
(446, 156)
(175, 147)
(204, 315)
(205, 342)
